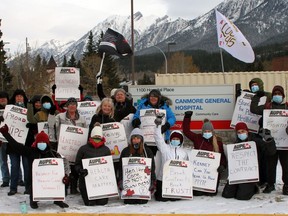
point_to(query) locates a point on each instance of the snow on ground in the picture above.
(274, 203)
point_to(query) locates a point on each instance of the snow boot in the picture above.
(33, 204)
(285, 189)
(61, 204)
(269, 188)
(73, 185)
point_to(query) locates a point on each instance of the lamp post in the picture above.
(164, 57)
(132, 45)
(170, 44)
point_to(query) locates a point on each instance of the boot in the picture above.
(269, 188)
(61, 204)
(73, 185)
(285, 189)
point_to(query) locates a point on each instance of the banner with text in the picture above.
(87, 109)
(44, 126)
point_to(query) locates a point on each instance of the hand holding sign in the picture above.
(83, 172)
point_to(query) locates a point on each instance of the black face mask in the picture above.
(136, 146)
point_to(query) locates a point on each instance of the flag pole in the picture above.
(222, 64)
(101, 65)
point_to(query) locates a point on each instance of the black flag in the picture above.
(113, 43)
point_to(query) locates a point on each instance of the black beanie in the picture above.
(4, 95)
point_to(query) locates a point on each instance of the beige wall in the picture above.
(270, 79)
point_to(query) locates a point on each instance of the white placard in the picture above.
(127, 123)
(204, 166)
(16, 119)
(177, 180)
(147, 117)
(67, 80)
(136, 178)
(276, 122)
(2, 138)
(87, 109)
(115, 136)
(47, 179)
(242, 112)
(44, 126)
(100, 181)
(242, 162)
(71, 138)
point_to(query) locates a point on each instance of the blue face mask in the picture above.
(242, 136)
(277, 98)
(255, 88)
(47, 105)
(41, 146)
(175, 142)
(207, 135)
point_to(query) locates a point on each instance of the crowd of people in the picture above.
(169, 143)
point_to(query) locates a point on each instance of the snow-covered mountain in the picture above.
(258, 20)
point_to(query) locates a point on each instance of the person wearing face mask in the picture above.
(256, 86)
(94, 148)
(172, 151)
(39, 149)
(137, 148)
(206, 140)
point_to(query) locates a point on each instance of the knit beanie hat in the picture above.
(278, 88)
(241, 126)
(4, 94)
(155, 93)
(178, 134)
(207, 126)
(112, 92)
(41, 137)
(97, 131)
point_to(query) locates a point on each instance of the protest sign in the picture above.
(67, 80)
(147, 117)
(2, 138)
(276, 122)
(136, 178)
(177, 180)
(44, 126)
(242, 162)
(204, 166)
(71, 138)
(242, 112)
(115, 136)
(16, 119)
(87, 109)
(101, 180)
(47, 179)
(127, 123)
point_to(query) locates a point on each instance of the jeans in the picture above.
(15, 167)
(26, 167)
(4, 164)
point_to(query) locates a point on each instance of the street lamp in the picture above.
(132, 45)
(170, 44)
(164, 57)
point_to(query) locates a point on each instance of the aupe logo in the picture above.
(74, 130)
(67, 70)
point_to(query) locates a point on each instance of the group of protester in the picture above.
(45, 108)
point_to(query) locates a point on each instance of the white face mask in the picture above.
(41, 146)
(175, 142)
(207, 135)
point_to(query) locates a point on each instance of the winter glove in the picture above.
(81, 89)
(53, 88)
(158, 121)
(220, 169)
(1, 118)
(99, 79)
(31, 126)
(265, 134)
(152, 187)
(4, 129)
(83, 172)
(188, 114)
(52, 110)
(65, 180)
(136, 123)
(165, 127)
(260, 94)
(120, 185)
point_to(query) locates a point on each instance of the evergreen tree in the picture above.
(64, 64)
(90, 47)
(146, 80)
(72, 62)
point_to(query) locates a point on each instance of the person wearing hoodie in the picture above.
(206, 140)
(171, 151)
(39, 149)
(137, 148)
(256, 86)
(94, 148)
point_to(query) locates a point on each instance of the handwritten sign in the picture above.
(136, 178)
(67, 80)
(242, 162)
(242, 112)
(16, 119)
(147, 117)
(276, 122)
(87, 109)
(177, 180)
(47, 179)
(71, 138)
(115, 136)
(204, 166)
(44, 126)
(127, 123)
(100, 181)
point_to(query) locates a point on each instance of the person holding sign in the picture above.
(94, 148)
(172, 151)
(137, 148)
(39, 149)
(207, 141)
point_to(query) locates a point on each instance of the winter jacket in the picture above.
(101, 118)
(123, 109)
(168, 152)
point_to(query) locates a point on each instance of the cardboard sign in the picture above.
(67, 80)
(147, 117)
(101, 180)
(127, 123)
(16, 119)
(71, 138)
(136, 178)
(204, 166)
(242, 112)
(115, 136)
(44, 126)
(177, 180)
(87, 109)
(276, 122)
(47, 179)
(242, 162)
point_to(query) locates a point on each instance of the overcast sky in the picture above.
(65, 20)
